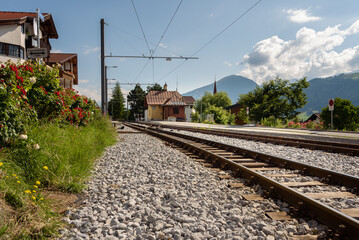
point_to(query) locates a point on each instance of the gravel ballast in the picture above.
(336, 162)
(143, 189)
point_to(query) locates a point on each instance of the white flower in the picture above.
(32, 80)
(23, 137)
(36, 146)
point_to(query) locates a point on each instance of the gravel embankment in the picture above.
(336, 162)
(142, 189)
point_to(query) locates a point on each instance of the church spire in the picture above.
(215, 86)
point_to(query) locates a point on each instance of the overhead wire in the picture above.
(143, 32)
(213, 38)
(174, 14)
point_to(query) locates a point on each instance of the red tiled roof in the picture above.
(17, 15)
(61, 57)
(21, 17)
(189, 100)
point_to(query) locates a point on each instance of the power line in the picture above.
(168, 25)
(212, 39)
(143, 33)
(132, 35)
(130, 44)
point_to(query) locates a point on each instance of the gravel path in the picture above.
(336, 162)
(142, 189)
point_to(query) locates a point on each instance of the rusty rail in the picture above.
(336, 220)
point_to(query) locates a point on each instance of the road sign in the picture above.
(37, 52)
(331, 104)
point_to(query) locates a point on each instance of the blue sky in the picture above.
(289, 39)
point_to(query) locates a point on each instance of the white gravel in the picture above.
(336, 162)
(142, 189)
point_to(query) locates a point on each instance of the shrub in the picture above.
(30, 92)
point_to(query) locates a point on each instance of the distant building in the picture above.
(168, 105)
(315, 117)
(68, 71)
(235, 109)
(17, 34)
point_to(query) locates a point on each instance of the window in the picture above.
(2, 48)
(175, 111)
(12, 50)
(153, 108)
(67, 66)
(22, 28)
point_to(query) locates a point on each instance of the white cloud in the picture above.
(56, 51)
(300, 16)
(228, 63)
(94, 94)
(91, 50)
(211, 15)
(310, 54)
(162, 45)
(83, 81)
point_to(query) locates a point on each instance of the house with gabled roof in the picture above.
(17, 34)
(168, 105)
(68, 70)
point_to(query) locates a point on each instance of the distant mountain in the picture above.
(345, 86)
(233, 85)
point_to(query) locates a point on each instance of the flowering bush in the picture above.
(30, 92)
(307, 125)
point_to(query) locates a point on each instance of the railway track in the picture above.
(270, 172)
(329, 146)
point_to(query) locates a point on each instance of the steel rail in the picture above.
(336, 220)
(337, 147)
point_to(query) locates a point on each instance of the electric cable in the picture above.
(138, 19)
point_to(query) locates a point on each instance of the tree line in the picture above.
(276, 100)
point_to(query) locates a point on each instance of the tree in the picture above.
(155, 87)
(221, 115)
(220, 99)
(116, 106)
(136, 99)
(345, 115)
(277, 97)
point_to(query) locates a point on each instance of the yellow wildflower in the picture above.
(1, 164)
(45, 167)
(41, 199)
(17, 177)
(34, 191)
(38, 182)
(28, 191)
(14, 175)
(33, 197)
(33, 203)
(35, 186)
(18, 181)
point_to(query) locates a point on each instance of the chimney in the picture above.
(165, 87)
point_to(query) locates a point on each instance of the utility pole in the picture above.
(103, 77)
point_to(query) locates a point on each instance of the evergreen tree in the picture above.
(136, 100)
(116, 106)
(155, 87)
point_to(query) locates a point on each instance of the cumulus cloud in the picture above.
(300, 16)
(228, 64)
(91, 50)
(56, 51)
(92, 93)
(83, 81)
(310, 54)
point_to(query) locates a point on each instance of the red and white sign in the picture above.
(331, 104)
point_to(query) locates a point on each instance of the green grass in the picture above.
(69, 154)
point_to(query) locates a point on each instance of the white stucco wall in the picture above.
(12, 34)
(187, 112)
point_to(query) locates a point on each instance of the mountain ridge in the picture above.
(319, 92)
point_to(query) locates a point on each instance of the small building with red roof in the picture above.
(68, 70)
(168, 105)
(17, 34)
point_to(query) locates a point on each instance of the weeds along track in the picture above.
(309, 190)
(328, 146)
